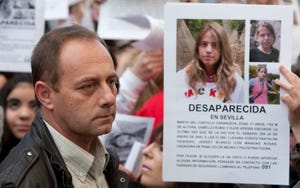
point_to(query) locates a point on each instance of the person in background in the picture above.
(95, 11)
(18, 101)
(151, 170)
(153, 107)
(264, 52)
(80, 12)
(76, 86)
(259, 86)
(148, 65)
(212, 75)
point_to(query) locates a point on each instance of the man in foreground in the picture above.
(75, 85)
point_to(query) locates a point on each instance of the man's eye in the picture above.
(88, 88)
(113, 82)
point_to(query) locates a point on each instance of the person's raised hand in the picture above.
(291, 98)
(149, 64)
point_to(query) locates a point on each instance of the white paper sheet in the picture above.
(20, 29)
(134, 20)
(135, 158)
(56, 9)
(207, 141)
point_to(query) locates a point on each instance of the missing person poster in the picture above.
(224, 120)
(21, 26)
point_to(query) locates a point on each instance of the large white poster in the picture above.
(212, 131)
(21, 26)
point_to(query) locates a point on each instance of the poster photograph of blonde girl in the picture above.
(210, 60)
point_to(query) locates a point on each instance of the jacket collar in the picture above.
(44, 138)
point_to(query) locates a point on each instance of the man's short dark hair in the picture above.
(45, 56)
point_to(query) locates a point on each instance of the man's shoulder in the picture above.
(23, 162)
(16, 165)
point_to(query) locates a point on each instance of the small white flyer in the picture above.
(216, 57)
(21, 26)
(56, 9)
(140, 22)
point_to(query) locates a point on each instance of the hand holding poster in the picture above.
(212, 133)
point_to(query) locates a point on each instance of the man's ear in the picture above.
(43, 94)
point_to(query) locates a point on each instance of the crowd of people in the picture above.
(51, 119)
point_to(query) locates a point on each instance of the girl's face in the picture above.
(151, 174)
(262, 73)
(265, 39)
(20, 109)
(209, 51)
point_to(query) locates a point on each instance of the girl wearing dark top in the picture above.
(264, 52)
(19, 106)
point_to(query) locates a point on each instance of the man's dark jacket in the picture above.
(36, 162)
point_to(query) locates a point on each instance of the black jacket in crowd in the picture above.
(36, 162)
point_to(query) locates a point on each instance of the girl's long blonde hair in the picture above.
(225, 68)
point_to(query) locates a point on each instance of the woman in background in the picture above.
(151, 173)
(18, 101)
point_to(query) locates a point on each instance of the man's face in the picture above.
(85, 105)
